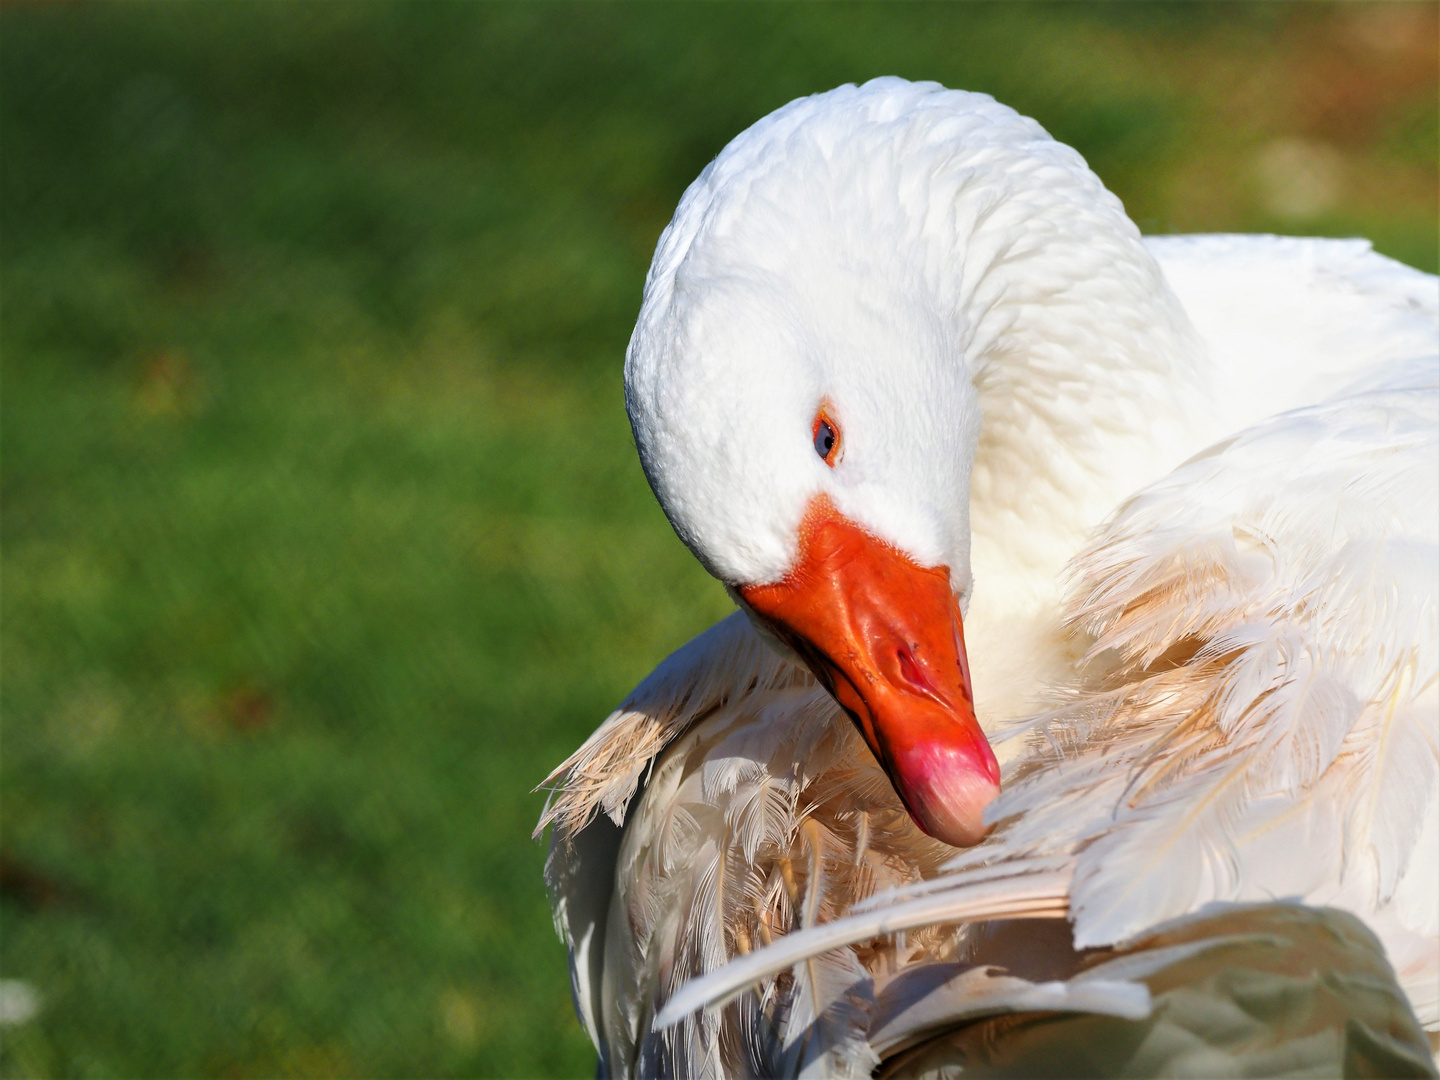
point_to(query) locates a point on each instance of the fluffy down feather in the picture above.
(767, 814)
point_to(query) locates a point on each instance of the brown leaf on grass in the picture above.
(27, 886)
(169, 384)
(247, 708)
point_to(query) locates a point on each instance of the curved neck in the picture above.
(1091, 384)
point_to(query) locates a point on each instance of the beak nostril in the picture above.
(912, 673)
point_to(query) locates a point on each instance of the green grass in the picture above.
(322, 534)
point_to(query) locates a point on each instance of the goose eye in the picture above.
(827, 441)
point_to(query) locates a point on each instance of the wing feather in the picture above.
(727, 662)
(1261, 688)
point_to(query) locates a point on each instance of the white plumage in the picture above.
(1196, 534)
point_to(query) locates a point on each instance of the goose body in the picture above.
(902, 364)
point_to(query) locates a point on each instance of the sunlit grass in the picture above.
(322, 534)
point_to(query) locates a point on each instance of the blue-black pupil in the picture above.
(824, 439)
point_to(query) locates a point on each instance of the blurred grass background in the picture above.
(322, 534)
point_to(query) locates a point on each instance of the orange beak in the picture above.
(884, 636)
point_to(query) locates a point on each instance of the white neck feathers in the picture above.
(950, 226)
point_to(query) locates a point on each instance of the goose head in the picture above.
(803, 387)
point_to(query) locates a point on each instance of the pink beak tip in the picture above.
(947, 791)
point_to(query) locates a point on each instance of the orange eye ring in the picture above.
(825, 435)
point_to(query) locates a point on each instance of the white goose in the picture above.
(901, 360)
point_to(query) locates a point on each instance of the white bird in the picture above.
(911, 384)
